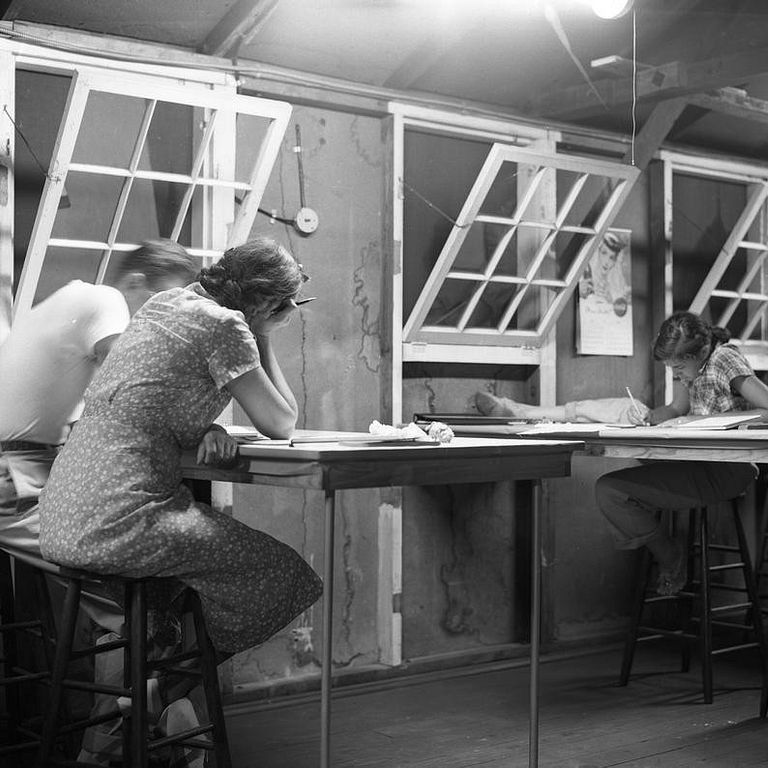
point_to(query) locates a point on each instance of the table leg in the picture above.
(533, 734)
(327, 659)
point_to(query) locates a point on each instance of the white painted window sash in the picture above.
(212, 104)
(416, 329)
(754, 177)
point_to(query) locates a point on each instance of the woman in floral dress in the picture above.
(115, 502)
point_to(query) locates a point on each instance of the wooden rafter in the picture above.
(733, 102)
(667, 81)
(655, 129)
(239, 26)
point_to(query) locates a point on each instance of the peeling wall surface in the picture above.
(330, 354)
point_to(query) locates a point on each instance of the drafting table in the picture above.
(330, 467)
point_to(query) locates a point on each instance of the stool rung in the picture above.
(110, 690)
(731, 648)
(93, 650)
(197, 743)
(731, 607)
(659, 632)
(24, 677)
(80, 725)
(654, 598)
(722, 548)
(726, 567)
(180, 737)
(731, 625)
(165, 664)
(728, 588)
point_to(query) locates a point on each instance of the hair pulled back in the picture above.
(249, 274)
(684, 335)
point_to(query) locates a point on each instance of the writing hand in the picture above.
(639, 414)
(217, 447)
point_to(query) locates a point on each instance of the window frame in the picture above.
(216, 223)
(754, 177)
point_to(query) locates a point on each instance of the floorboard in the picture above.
(480, 719)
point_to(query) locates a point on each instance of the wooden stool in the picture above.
(697, 604)
(137, 744)
(35, 638)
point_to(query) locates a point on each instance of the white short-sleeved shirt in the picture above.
(48, 359)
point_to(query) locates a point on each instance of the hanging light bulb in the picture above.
(611, 9)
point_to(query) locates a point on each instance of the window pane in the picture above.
(60, 265)
(151, 211)
(452, 299)
(88, 207)
(169, 144)
(109, 130)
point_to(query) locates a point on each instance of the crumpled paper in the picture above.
(437, 431)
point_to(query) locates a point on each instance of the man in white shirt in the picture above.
(47, 362)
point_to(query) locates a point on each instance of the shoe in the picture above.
(177, 717)
(673, 578)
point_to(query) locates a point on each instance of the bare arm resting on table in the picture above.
(264, 393)
(754, 391)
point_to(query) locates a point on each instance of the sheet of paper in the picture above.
(582, 428)
(727, 421)
(245, 434)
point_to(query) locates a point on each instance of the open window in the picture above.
(717, 225)
(496, 228)
(141, 155)
(517, 248)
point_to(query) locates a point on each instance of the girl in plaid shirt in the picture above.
(710, 376)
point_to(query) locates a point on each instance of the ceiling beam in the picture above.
(653, 84)
(238, 26)
(734, 102)
(655, 129)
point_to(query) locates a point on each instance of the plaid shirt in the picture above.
(712, 391)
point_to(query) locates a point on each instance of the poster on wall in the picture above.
(604, 324)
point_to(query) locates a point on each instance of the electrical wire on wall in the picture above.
(634, 85)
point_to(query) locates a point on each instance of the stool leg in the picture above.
(10, 648)
(135, 727)
(644, 573)
(706, 606)
(687, 605)
(59, 673)
(757, 614)
(211, 687)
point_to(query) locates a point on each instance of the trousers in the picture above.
(631, 500)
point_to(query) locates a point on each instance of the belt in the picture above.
(25, 445)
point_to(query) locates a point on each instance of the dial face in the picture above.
(306, 221)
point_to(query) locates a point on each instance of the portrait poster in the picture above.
(604, 320)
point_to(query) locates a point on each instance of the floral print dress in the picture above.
(115, 502)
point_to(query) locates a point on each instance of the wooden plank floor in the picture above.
(481, 720)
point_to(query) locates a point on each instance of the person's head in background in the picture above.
(156, 265)
(684, 343)
(258, 278)
(608, 252)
